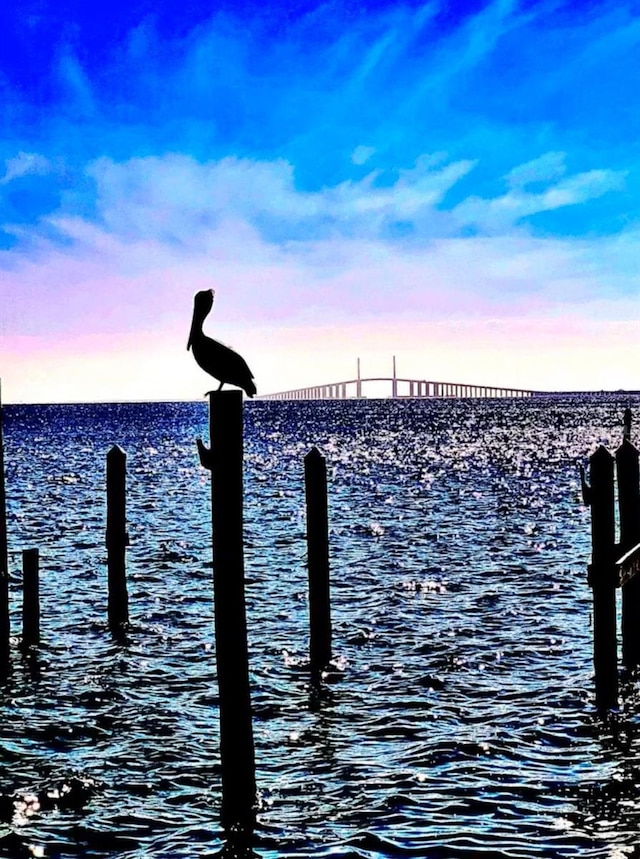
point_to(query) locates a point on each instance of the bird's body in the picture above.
(214, 357)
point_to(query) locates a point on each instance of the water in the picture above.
(459, 718)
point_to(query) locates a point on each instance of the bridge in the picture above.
(399, 388)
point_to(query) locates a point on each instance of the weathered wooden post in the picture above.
(5, 627)
(315, 475)
(629, 517)
(117, 538)
(603, 577)
(30, 597)
(237, 757)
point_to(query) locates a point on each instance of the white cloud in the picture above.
(547, 168)
(499, 214)
(416, 189)
(24, 163)
(170, 227)
(174, 195)
(118, 282)
(177, 198)
(362, 154)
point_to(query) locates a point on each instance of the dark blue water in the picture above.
(460, 720)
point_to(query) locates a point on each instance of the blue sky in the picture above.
(454, 183)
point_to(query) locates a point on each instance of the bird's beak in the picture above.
(190, 340)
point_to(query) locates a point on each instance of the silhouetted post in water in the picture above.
(629, 510)
(30, 597)
(5, 627)
(626, 433)
(603, 577)
(236, 730)
(315, 478)
(117, 539)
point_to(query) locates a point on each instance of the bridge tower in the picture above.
(359, 382)
(394, 381)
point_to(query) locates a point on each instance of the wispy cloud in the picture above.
(169, 225)
(547, 168)
(175, 197)
(24, 164)
(501, 213)
(361, 154)
(332, 99)
(75, 84)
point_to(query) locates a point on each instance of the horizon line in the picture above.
(263, 398)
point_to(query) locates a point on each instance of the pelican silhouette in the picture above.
(215, 358)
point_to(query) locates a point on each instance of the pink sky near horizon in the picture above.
(104, 314)
(540, 356)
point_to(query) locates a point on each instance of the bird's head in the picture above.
(202, 304)
(203, 301)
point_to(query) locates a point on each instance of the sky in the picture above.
(453, 183)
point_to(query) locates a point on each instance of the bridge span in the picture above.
(399, 389)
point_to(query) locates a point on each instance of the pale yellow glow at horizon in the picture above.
(537, 355)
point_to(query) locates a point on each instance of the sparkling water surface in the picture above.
(459, 716)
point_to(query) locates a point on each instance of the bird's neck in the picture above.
(196, 326)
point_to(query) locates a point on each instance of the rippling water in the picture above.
(459, 719)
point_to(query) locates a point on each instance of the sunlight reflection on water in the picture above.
(458, 719)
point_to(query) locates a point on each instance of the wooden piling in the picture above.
(629, 516)
(603, 578)
(117, 539)
(315, 475)
(5, 626)
(237, 757)
(30, 597)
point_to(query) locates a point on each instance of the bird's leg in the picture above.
(221, 384)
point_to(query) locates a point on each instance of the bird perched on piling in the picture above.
(215, 358)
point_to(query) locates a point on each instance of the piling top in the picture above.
(627, 449)
(229, 394)
(314, 455)
(601, 455)
(116, 452)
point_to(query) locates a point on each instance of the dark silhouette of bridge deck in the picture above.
(399, 389)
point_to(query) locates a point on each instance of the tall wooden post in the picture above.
(237, 757)
(5, 626)
(117, 539)
(315, 474)
(603, 578)
(629, 515)
(30, 597)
